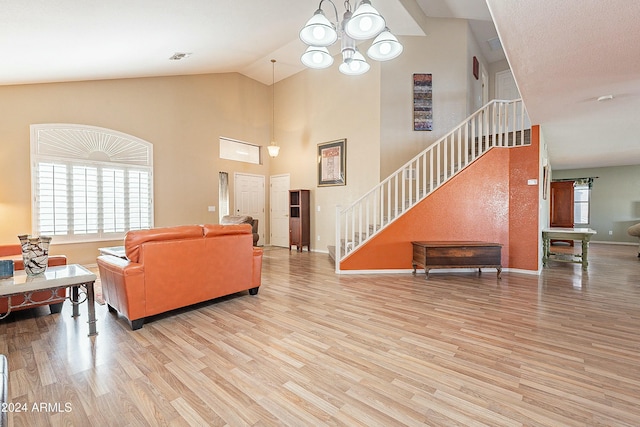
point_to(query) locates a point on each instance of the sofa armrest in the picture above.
(123, 285)
(256, 278)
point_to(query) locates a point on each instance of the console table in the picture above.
(582, 234)
(71, 276)
(455, 254)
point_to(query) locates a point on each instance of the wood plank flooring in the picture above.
(313, 349)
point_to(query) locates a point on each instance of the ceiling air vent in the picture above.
(179, 55)
(495, 44)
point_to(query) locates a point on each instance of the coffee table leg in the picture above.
(74, 301)
(91, 309)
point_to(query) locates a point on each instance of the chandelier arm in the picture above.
(335, 9)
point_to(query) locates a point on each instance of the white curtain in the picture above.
(223, 194)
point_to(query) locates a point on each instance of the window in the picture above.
(581, 197)
(239, 151)
(89, 183)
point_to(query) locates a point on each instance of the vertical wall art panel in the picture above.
(422, 102)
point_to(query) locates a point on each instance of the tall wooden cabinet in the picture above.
(299, 220)
(561, 206)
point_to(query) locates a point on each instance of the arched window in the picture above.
(89, 183)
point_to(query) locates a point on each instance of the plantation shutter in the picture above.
(90, 183)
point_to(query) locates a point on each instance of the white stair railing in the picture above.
(498, 124)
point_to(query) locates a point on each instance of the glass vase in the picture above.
(35, 253)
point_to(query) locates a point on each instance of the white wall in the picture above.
(317, 106)
(443, 53)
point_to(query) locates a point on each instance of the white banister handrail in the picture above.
(500, 123)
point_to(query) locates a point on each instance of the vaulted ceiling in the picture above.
(564, 54)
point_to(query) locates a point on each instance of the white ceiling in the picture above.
(564, 54)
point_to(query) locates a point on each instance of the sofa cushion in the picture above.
(212, 230)
(134, 239)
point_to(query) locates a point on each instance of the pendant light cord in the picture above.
(273, 100)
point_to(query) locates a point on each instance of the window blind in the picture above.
(80, 202)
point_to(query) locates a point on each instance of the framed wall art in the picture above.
(476, 68)
(422, 102)
(332, 163)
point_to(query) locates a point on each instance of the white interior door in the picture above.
(279, 202)
(506, 89)
(249, 199)
(485, 85)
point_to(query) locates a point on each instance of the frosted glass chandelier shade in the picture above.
(385, 47)
(365, 23)
(317, 57)
(318, 31)
(356, 66)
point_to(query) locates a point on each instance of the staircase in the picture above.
(499, 123)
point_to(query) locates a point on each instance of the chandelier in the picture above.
(362, 24)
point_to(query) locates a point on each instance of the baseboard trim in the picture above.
(602, 242)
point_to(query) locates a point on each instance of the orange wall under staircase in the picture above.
(488, 201)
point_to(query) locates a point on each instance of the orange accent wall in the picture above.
(489, 201)
(524, 206)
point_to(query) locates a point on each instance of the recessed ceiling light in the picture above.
(179, 55)
(605, 98)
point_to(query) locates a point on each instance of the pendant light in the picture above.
(273, 148)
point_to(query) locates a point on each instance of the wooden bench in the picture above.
(457, 254)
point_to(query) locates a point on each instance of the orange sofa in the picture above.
(14, 252)
(174, 267)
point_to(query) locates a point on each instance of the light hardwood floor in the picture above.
(313, 348)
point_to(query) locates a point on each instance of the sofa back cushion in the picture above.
(8, 250)
(213, 230)
(134, 239)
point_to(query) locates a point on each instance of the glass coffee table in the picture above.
(73, 276)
